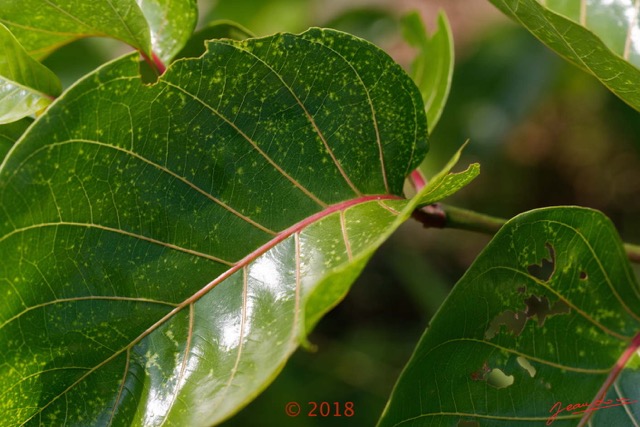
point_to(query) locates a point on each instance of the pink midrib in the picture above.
(613, 376)
(281, 236)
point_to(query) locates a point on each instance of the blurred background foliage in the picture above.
(544, 132)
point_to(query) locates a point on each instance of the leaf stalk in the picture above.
(447, 216)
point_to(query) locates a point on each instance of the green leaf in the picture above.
(600, 36)
(432, 70)
(549, 312)
(166, 247)
(10, 133)
(26, 86)
(172, 22)
(44, 25)
(444, 183)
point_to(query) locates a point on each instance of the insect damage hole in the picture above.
(547, 266)
(499, 379)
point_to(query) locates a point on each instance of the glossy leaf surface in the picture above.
(43, 25)
(26, 86)
(432, 70)
(166, 247)
(171, 22)
(600, 36)
(549, 312)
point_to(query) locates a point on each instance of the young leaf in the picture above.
(599, 36)
(43, 25)
(549, 312)
(26, 86)
(432, 70)
(171, 22)
(166, 247)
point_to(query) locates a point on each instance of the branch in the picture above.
(445, 216)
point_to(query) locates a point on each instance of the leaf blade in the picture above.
(26, 86)
(171, 24)
(43, 26)
(432, 69)
(139, 213)
(591, 48)
(546, 324)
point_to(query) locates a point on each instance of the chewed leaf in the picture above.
(550, 303)
(600, 36)
(166, 247)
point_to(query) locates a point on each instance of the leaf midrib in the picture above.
(280, 237)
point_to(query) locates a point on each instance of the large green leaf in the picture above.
(432, 70)
(600, 36)
(166, 247)
(10, 133)
(26, 86)
(549, 312)
(43, 25)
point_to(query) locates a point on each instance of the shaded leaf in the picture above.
(432, 69)
(168, 246)
(547, 313)
(171, 22)
(10, 133)
(600, 36)
(43, 25)
(26, 86)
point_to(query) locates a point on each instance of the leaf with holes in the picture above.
(547, 316)
(600, 36)
(166, 247)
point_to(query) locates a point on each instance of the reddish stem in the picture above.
(418, 180)
(155, 62)
(615, 372)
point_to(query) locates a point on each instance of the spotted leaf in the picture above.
(548, 316)
(166, 247)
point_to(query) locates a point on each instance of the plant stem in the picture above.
(633, 252)
(446, 216)
(464, 219)
(155, 62)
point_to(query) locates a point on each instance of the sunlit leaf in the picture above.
(548, 313)
(432, 70)
(43, 25)
(166, 247)
(26, 86)
(600, 36)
